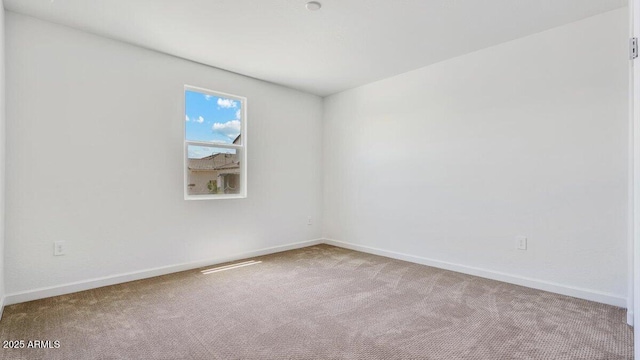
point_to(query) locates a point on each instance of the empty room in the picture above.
(295, 179)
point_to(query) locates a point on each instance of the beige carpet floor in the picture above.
(319, 302)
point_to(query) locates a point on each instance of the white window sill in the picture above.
(215, 197)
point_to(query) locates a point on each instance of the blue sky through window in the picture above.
(199, 152)
(211, 118)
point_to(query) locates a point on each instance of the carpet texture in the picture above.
(319, 302)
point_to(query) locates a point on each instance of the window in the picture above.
(215, 154)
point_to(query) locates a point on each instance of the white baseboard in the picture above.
(592, 295)
(2, 302)
(46, 292)
(586, 294)
(630, 317)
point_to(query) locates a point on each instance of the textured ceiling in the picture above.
(345, 44)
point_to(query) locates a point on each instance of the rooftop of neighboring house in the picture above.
(219, 161)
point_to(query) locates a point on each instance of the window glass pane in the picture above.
(212, 170)
(212, 118)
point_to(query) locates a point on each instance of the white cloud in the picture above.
(186, 118)
(227, 103)
(195, 154)
(198, 152)
(238, 113)
(208, 97)
(199, 120)
(231, 129)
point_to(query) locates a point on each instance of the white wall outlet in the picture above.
(59, 248)
(309, 222)
(521, 242)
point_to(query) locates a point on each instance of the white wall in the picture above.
(449, 163)
(94, 136)
(2, 156)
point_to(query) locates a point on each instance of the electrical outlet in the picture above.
(521, 242)
(59, 248)
(309, 222)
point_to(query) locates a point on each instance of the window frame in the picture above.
(242, 147)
